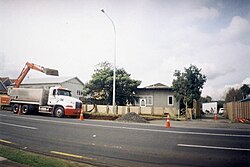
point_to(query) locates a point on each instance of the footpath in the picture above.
(208, 123)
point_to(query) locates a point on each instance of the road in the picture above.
(106, 143)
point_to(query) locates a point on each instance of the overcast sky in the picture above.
(154, 38)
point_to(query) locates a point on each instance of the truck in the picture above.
(56, 100)
(209, 108)
(5, 99)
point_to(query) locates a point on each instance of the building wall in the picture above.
(75, 86)
(160, 98)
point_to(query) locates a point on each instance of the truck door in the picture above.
(52, 100)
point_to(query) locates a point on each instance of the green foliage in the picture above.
(237, 94)
(206, 99)
(245, 90)
(35, 160)
(233, 95)
(101, 85)
(187, 85)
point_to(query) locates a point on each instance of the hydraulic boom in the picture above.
(27, 68)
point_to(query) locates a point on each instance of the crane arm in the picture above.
(33, 66)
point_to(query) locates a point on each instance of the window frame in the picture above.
(172, 97)
(146, 97)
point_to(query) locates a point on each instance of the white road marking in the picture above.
(213, 147)
(131, 128)
(19, 126)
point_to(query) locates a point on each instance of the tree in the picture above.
(233, 95)
(101, 85)
(187, 85)
(206, 99)
(245, 90)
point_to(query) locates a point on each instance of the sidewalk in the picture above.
(204, 123)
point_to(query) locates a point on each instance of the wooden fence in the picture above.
(121, 110)
(236, 110)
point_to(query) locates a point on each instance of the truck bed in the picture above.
(29, 96)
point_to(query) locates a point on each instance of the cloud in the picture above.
(246, 81)
(238, 30)
(213, 72)
(204, 13)
(220, 93)
(215, 93)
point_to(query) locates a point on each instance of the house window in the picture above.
(148, 100)
(79, 93)
(170, 100)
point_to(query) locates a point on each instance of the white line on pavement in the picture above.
(131, 128)
(213, 147)
(20, 126)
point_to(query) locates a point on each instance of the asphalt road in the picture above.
(106, 143)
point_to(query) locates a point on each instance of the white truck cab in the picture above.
(63, 102)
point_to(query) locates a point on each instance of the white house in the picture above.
(72, 83)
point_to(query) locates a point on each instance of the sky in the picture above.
(153, 39)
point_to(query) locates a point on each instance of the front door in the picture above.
(143, 103)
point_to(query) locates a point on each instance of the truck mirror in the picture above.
(54, 92)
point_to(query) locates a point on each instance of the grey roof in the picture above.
(3, 79)
(157, 86)
(3, 89)
(48, 80)
(6, 81)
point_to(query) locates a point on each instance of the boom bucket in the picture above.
(49, 71)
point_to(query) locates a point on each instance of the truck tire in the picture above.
(25, 109)
(15, 108)
(59, 112)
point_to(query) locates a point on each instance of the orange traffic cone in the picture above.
(215, 117)
(81, 115)
(168, 122)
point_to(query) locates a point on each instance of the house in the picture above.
(157, 96)
(72, 83)
(4, 83)
(247, 99)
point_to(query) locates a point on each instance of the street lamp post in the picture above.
(114, 68)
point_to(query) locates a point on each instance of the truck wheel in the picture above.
(15, 108)
(59, 112)
(25, 109)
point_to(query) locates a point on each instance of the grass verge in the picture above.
(36, 160)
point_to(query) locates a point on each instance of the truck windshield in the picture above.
(63, 92)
